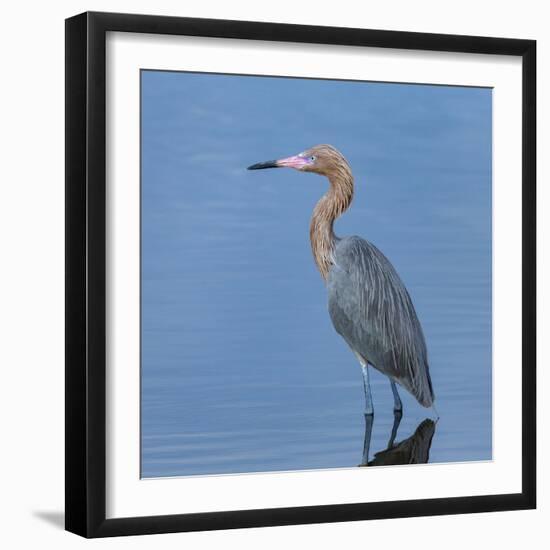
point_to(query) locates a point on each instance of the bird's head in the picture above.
(320, 159)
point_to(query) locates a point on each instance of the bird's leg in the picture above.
(397, 405)
(397, 415)
(366, 444)
(369, 408)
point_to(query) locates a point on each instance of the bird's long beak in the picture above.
(262, 165)
(296, 162)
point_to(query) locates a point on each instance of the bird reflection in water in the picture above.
(413, 450)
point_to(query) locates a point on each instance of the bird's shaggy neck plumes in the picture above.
(334, 203)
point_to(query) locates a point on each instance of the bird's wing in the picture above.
(372, 310)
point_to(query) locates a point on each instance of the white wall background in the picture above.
(32, 271)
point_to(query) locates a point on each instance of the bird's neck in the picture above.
(334, 203)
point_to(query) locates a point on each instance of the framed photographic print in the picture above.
(300, 274)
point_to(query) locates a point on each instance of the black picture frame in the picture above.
(86, 274)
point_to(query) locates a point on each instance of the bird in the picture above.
(368, 303)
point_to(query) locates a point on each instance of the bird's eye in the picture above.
(312, 158)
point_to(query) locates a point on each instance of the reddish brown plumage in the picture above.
(332, 164)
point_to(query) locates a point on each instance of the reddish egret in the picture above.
(367, 301)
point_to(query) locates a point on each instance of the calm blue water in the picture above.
(242, 370)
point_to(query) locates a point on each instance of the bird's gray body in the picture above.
(372, 310)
